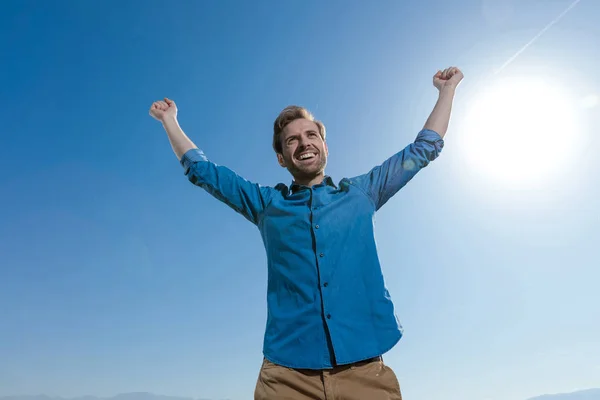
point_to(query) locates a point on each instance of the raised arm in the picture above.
(446, 82)
(166, 112)
(385, 180)
(247, 198)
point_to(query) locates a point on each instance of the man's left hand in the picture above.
(448, 78)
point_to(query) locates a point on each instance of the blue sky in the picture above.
(117, 275)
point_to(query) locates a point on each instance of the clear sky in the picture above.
(118, 275)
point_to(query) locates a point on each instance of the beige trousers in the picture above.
(366, 380)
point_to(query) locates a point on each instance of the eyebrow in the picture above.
(295, 135)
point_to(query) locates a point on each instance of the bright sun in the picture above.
(520, 131)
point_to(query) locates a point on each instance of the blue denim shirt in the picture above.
(327, 301)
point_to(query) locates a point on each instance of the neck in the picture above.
(310, 181)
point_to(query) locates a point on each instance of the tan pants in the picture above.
(367, 380)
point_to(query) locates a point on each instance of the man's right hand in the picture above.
(161, 110)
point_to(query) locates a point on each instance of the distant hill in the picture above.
(123, 396)
(591, 394)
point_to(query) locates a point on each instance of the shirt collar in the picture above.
(326, 181)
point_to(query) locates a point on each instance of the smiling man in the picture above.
(330, 317)
(299, 142)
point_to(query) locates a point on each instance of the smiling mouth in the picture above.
(306, 156)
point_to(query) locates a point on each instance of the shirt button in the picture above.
(321, 255)
(325, 284)
(317, 226)
(328, 316)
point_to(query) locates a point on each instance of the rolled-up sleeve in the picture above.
(385, 180)
(245, 197)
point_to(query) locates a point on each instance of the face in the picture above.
(304, 153)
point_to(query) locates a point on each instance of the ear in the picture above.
(281, 160)
(326, 149)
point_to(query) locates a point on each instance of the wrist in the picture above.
(447, 90)
(169, 120)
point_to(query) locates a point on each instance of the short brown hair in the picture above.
(289, 114)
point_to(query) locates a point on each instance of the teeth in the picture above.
(306, 155)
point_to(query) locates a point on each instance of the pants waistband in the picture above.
(367, 361)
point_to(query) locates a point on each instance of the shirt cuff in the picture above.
(429, 136)
(190, 157)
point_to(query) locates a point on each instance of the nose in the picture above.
(303, 143)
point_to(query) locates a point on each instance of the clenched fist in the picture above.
(161, 110)
(448, 78)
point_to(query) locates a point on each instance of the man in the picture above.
(330, 317)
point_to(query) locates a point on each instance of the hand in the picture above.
(448, 78)
(160, 110)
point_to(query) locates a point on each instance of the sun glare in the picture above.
(520, 131)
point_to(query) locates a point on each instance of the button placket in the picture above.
(321, 255)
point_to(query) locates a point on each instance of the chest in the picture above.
(324, 209)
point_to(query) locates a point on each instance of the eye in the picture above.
(312, 134)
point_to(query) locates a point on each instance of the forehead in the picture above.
(299, 126)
